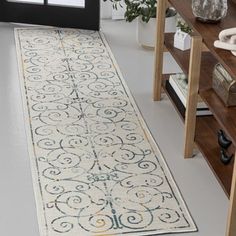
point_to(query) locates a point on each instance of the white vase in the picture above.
(119, 13)
(106, 10)
(146, 32)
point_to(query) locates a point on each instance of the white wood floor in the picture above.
(202, 193)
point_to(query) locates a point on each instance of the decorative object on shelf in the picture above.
(223, 141)
(182, 38)
(209, 11)
(224, 157)
(227, 40)
(179, 84)
(224, 85)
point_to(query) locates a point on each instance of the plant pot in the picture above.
(146, 32)
(119, 13)
(106, 10)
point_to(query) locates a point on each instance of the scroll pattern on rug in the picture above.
(97, 170)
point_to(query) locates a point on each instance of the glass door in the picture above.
(83, 14)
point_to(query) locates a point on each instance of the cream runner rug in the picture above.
(96, 169)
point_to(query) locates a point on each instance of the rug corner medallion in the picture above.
(96, 169)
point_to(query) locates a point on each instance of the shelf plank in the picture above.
(206, 140)
(210, 32)
(225, 116)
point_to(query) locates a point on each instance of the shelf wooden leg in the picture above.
(159, 49)
(193, 85)
(231, 225)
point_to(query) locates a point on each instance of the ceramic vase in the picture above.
(146, 32)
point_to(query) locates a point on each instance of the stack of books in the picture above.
(177, 87)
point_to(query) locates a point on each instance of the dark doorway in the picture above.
(83, 14)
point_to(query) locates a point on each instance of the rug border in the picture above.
(42, 223)
(38, 202)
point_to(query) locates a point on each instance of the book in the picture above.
(179, 82)
(177, 88)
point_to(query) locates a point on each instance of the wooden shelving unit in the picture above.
(198, 64)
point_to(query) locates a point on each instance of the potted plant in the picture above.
(182, 38)
(145, 11)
